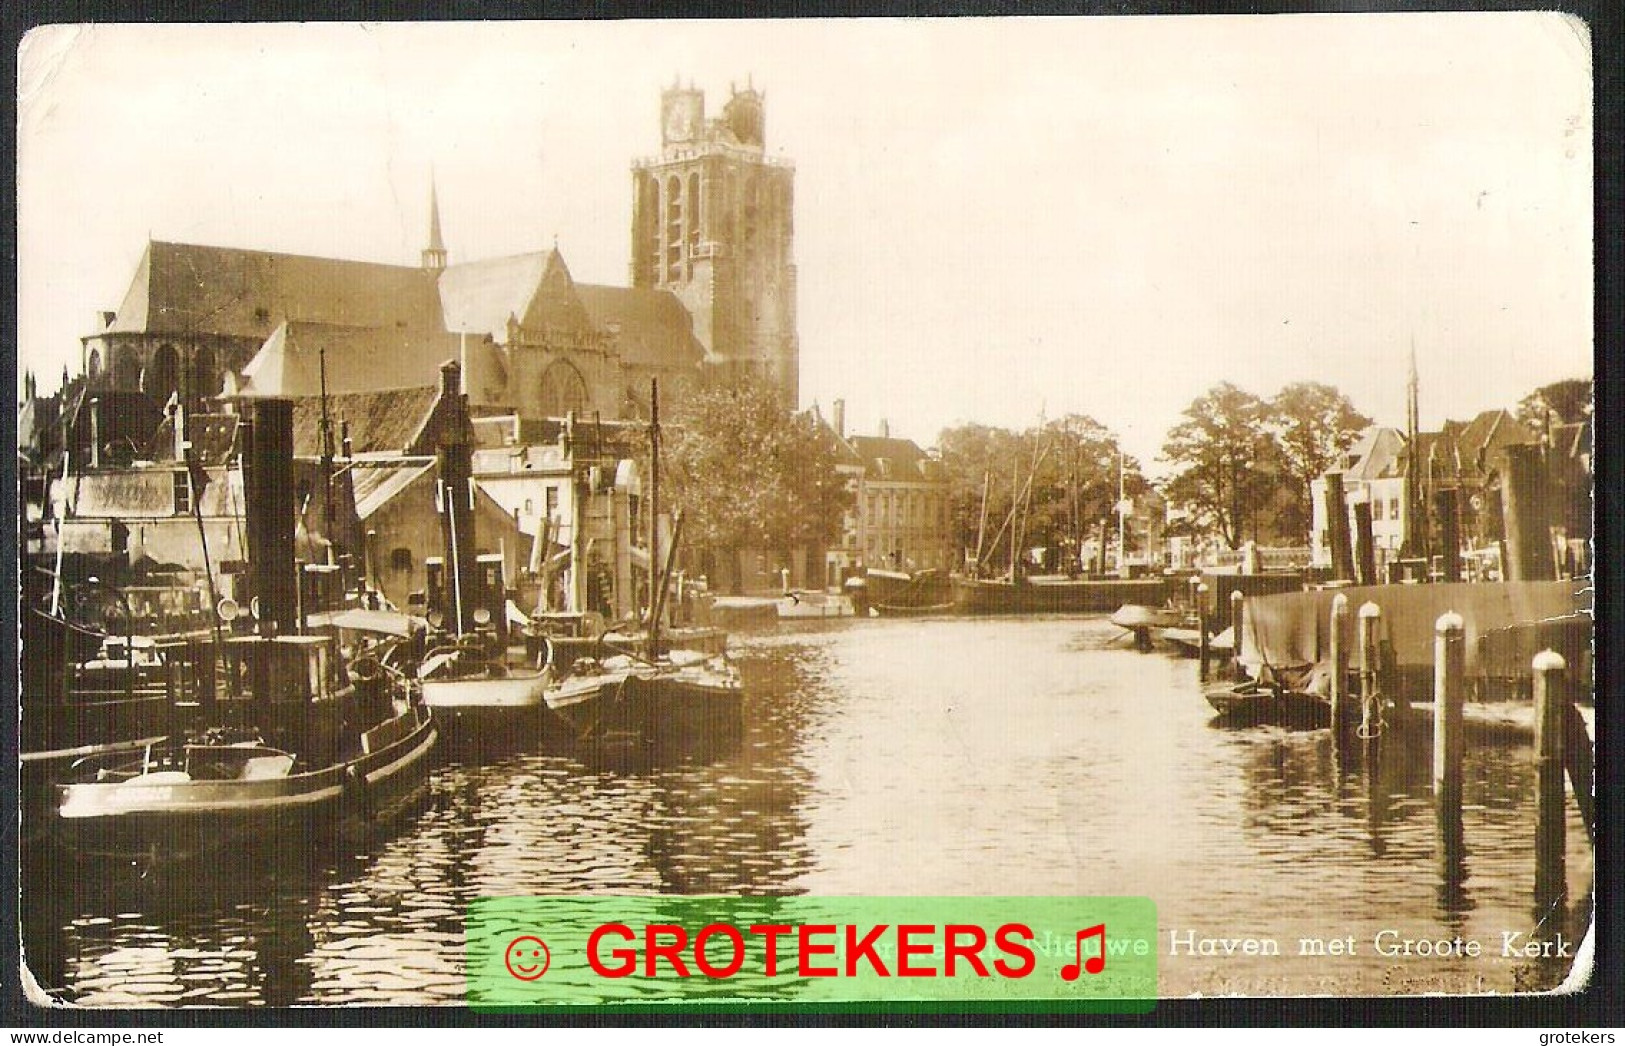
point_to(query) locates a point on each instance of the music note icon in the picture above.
(1095, 963)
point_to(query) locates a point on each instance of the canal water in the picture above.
(1006, 757)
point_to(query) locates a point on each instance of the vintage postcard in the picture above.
(1061, 514)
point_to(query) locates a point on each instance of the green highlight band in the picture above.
(1077, 954)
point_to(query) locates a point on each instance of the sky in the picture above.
(996, 220)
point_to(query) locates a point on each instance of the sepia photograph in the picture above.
(537, 515)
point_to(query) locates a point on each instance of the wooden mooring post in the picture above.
(1524, 515)
(1236, 612)
(1370, 664)
(1551, 700)
(1337, 523)
(1444, 506)
(1340, 663)
(1204, 649)
(1365, 550)
(1449, 679)
(1449, 669)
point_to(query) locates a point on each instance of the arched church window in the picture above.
(204, 381)
(674, 227)
(693, 211)
(93, 365)
(562, 390)
(163, 373)
(749, 210)
(126, 370)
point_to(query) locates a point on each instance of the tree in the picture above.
(1314, 426)
(747, 474)
(1064, 473)
(1567, 402)
(1227, 463)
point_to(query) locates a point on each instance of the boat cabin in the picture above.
(288, 688)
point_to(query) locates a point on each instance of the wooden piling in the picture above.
(1524, 514)
(1340, 661)
(1366, 553)
(1337, 522)
(1370, 663)
(1449, 678)
(1236, 611)
(1551, 697)
(1444, 506)
(1204, 650)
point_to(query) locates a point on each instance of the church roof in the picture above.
(478, 297)
(290, 363)
(189, 289)
(650, 328)
(535, 289)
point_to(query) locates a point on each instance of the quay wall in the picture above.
(1292, 630)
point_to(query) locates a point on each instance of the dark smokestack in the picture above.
(456, 454)
(270, 496)
(839, 411)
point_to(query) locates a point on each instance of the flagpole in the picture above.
(195, 470)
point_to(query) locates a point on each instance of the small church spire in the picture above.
(434, 255)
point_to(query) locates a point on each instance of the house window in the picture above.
(1393, 508)
(530, 510)
(1376, 508)
(552, 502)
(183, 493)
(400, 560)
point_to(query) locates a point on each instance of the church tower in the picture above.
(713, 222)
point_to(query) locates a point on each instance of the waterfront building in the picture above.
(900, 519)
(1396, 476)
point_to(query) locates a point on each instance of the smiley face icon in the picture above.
(527, 957)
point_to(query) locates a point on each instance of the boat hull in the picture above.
(899, 591)
(982, 596)
(169, 820)
(1251, 704)
(653, 713)
(814, 605)
(511, 692)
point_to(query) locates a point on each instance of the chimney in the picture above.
(885, 429)
(271, 515)
(344, 438)
(838, 410)
(451, 379)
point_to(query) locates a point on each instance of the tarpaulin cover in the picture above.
(1292, 630)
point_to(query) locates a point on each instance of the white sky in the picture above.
(996, 220)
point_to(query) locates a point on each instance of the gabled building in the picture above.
(899, 520)
(1382, 466)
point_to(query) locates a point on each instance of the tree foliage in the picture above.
(1314, 426)
(1050, 486)
(1227, 462)
(1567, 402)
(748, 474)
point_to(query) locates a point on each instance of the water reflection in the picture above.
(925, 757)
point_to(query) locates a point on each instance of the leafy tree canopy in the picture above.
(748, 474)
(1568, 401)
